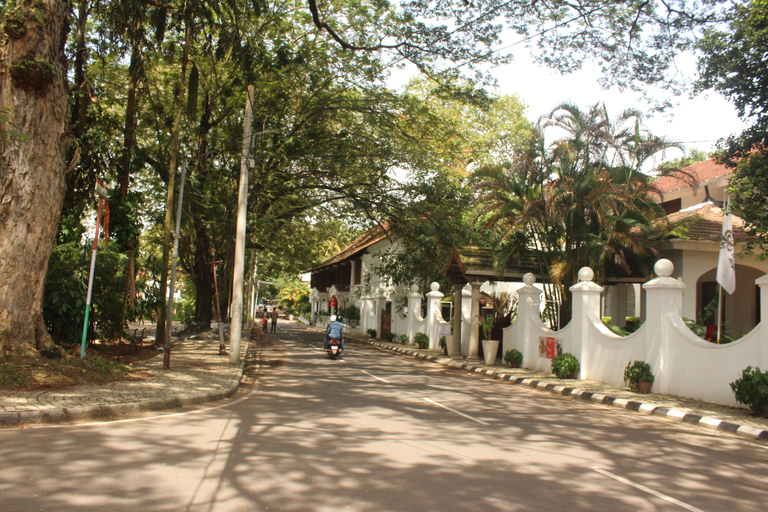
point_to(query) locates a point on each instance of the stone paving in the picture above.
(697, 412)
(197, 374)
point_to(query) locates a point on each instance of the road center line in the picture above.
(456, 412)
(375, 377)
(648, 490)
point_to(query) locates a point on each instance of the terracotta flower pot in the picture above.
(644, 386)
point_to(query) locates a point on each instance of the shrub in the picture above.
(513, 356)
(564, 365)
(421, 339)
(637, 371)
(443, 343)
(752, 389)
(351, 315)
(371, 333)
(487, 327)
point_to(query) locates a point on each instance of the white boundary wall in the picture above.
(684, 364)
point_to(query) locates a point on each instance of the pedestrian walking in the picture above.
(274, 319)
(264, 321)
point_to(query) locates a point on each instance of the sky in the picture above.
(697, 123)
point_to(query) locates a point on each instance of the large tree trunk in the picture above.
(202, 271)
(34, 95)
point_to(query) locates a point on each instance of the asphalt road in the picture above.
(380, 432)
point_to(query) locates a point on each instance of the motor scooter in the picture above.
(334, 349)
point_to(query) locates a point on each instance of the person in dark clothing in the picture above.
(273, 315)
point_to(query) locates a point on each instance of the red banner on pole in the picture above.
(334, 301)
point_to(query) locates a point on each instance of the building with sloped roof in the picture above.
(693, 198)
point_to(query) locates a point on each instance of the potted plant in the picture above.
(513, 358)
(752, 390)
(639, 376)
(388, 336)
(565, 366)
(371, 333)
(421, 339)
(443, 343)
(403, 339)
(490, 347)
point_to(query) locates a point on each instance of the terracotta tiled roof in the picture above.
(695, 174)
(475, 262)
(364, 241)
(704, 222)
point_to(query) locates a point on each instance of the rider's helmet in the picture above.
(333, 318)
(340, 318)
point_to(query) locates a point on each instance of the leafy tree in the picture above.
(636, 42)
(580, 202)
(733, 63)
(427, 211)
(694, 157)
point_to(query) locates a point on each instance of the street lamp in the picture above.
(235, 329)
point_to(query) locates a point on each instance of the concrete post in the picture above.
(528, 307)
(664, 295)
(474, 324)
(586, 298)
(762, 282)
(434, 315)
(454, 343)
(414, 312)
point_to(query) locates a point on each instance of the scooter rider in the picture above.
(335, 329)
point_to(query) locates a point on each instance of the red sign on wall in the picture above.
(550, 348)
(334, 302)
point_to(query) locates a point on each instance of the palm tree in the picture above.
(582, 201)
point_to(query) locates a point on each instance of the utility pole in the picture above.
(235, 329)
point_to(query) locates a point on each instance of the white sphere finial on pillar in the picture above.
(434, 286)
(586, 274)
(664, 268)
(529, 279)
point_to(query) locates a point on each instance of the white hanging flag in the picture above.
(726, 264)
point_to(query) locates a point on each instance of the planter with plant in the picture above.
(752, 390)
(490, 347)
(371, 333)
(403, 339)
(443, 343)
(421, 339)
(638, 376)
(513, 358)
(565, 366)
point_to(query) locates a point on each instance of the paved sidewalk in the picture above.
(197, 374)
(695, 412)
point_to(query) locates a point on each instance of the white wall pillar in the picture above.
(414, 312)
(528, 308)
(434, 315)
(762, 282)
(586, 299)
(664, 295)
(474, 324)
(380, 302)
